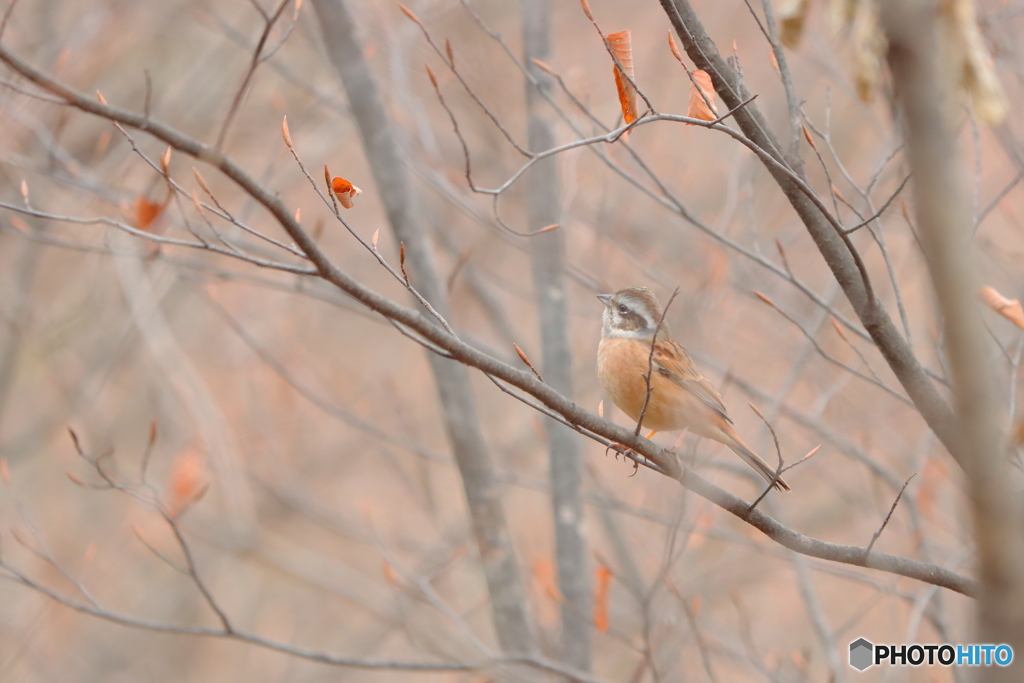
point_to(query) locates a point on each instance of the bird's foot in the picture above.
(626, 452)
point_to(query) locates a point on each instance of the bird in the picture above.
(681, 397)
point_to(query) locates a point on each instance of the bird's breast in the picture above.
(621, 366)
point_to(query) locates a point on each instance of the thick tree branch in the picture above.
(836, 252)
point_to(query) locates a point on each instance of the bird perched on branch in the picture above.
(681, 398)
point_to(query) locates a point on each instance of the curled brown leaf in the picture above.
(1008, 308)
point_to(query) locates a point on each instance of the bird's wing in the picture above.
(672, 361)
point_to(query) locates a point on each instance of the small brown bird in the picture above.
(681, 398)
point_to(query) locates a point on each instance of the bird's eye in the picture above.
(623, 308)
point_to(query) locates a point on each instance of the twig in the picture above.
(114, 617)
(778, 452)
(996, 200)
(110, 222)
(873, 379)
(257, 58)
(650, 363)
(7, 15)
(867, 551)
(882, 209)
(451, 65)
(702, 647)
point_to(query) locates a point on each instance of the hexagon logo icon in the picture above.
(861, 654)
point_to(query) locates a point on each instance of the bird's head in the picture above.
(631, 313)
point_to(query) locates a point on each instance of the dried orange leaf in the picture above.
(165, 161)
(705, 520)
(695, 605)
(700, 89)
(602, 592)
(430, 74)
(600, 409)
(1008, 308)
(298, 215)
(544, 575)
(622, 48)
(187, 481)
(345, 191)
(101, 98)
(341, 186)
(373, 240)
(932, 476)
(448, 50)
(146, 212)
(390, 575)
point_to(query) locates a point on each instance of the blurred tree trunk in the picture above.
(479, 477)
(548, 253)
(926, 88)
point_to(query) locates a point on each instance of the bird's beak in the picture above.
(606, 299)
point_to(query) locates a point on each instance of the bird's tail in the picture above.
(755, 461)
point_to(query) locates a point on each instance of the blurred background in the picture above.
(332, 492)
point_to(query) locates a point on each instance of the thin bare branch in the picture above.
(892, 509)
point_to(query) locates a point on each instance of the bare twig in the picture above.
(892, 509)
(469, 90)
(257, 58)
(873, 379)
(650, 363)
(7, 16)
(881, 209)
